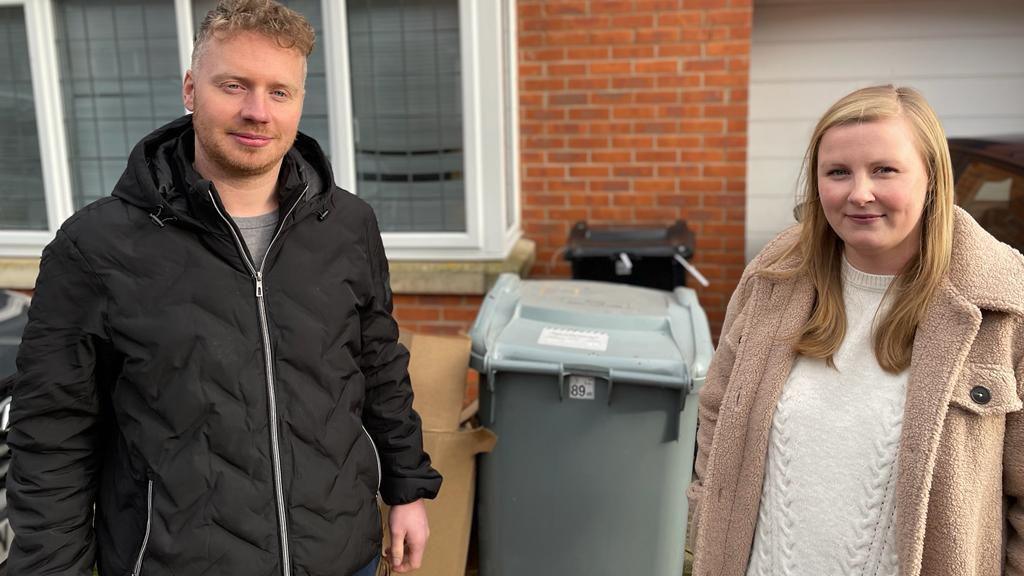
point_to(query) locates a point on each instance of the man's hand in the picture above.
(409, 533)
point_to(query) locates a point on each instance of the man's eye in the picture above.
(280, 93)
(232, 86)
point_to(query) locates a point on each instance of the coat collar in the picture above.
(160, 178)
(984, 271)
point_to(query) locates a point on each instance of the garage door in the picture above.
(966, 57)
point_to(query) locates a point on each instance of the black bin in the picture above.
(640, 256)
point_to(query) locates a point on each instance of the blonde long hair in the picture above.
(820, 249)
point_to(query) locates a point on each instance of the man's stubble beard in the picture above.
(233, 164)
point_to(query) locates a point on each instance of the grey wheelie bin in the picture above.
(591, 388)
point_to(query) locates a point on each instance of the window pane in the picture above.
(314, 109)
(407, 109)
(21, 174)
(120, 79)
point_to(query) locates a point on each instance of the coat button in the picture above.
(981, 395)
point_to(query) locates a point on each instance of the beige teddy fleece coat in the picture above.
(960, 480)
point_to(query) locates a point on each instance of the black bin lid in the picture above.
(587, 241)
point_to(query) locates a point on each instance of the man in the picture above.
(211, 362)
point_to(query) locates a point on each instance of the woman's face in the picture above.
(872, 183)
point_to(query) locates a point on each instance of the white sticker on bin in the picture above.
(571, 338)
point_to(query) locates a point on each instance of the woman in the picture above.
(862, 414)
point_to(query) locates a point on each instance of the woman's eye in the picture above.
(886, 170)
(837, 172)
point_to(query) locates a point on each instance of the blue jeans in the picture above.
(370, 569)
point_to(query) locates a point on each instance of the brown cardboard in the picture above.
(437, 367)
(453, 453)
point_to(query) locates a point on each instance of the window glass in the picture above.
(21, 175)
(407, 112)
(120, 79)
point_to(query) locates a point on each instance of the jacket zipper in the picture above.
(376, 455)
(145, 538)
(268, 358)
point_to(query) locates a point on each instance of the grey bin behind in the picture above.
(591, 388)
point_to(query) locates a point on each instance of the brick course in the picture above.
(436, 314)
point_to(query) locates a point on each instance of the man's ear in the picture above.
(188, 91)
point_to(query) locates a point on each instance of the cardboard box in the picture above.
(437, 366)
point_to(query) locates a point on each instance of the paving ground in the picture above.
(473, 570)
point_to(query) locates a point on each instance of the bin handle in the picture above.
(627, 265)
(692, 270)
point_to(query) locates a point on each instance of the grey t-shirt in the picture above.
(257, 231)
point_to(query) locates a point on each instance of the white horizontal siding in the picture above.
(775, 177)
(964, 56)
(952, 98)
(790, 21)
(775, 208)
(992, 56)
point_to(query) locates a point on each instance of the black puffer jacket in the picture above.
(215, 419)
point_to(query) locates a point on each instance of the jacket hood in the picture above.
(160, 179)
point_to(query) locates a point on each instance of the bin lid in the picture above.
(620, 332)
(587, 241)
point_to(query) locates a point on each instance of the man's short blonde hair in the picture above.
(266, 17)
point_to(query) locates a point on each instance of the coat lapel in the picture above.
(940, 348)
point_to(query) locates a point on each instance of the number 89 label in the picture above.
(581, 387)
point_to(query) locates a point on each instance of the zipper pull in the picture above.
(259, 284)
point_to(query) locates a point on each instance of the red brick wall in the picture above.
(436, 314)
(634, 111)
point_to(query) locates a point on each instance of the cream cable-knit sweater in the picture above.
(827, 505)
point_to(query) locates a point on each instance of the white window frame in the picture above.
(510, 104)
(491, 140)
(490, 137)
(50, 126)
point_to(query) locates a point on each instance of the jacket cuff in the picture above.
(396, 491)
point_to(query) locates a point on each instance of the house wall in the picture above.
(436, 313)
(964, 56)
